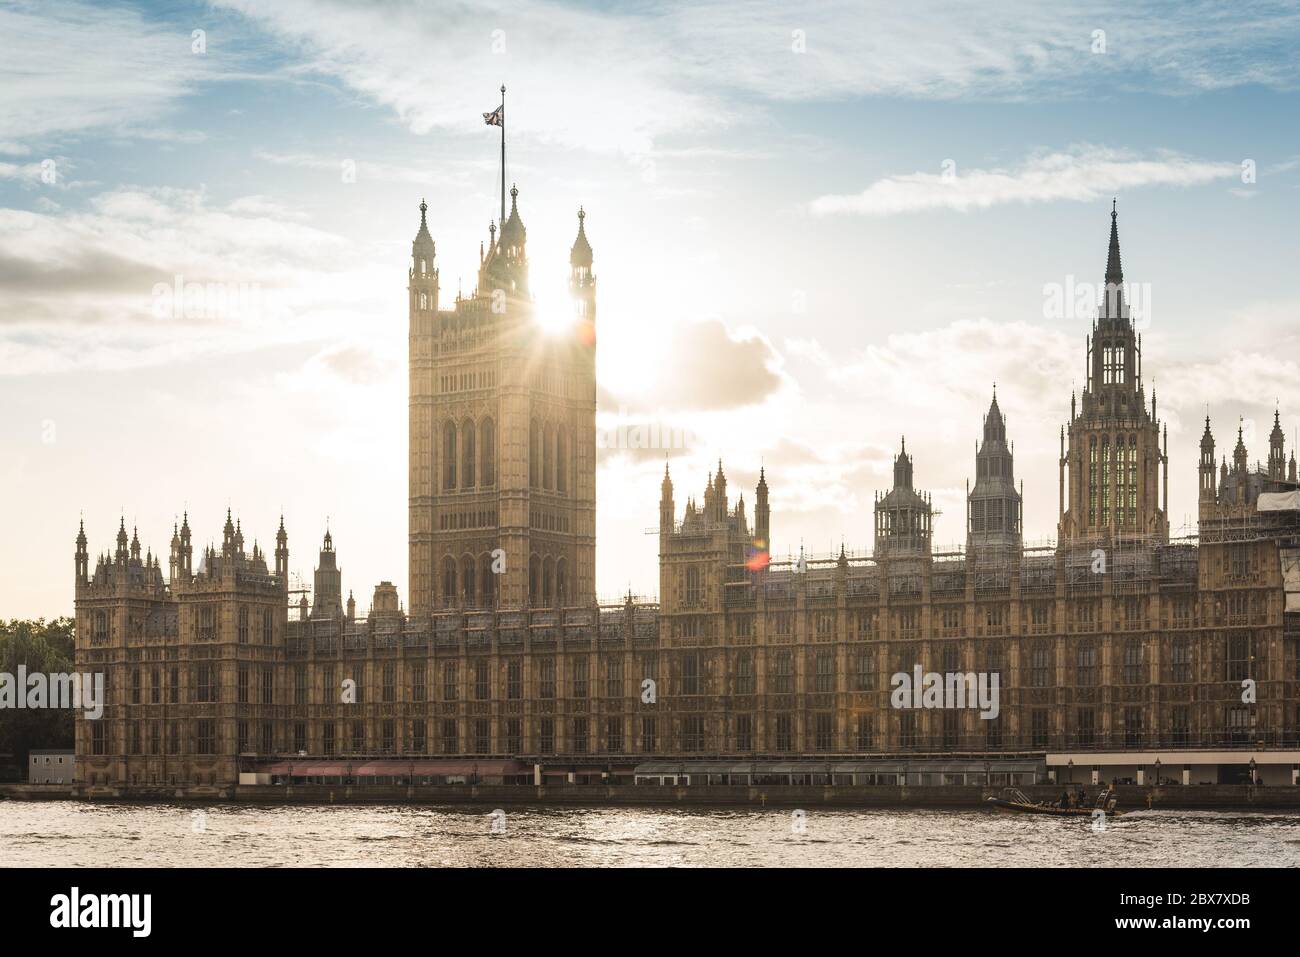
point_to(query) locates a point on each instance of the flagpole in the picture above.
(503, 155)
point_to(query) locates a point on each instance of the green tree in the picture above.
(45, 647)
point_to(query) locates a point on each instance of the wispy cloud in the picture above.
(1082, 174)
(619, 79)
(70, 67)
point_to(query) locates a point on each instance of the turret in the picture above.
(1208, 489)
(582, 282)
(506, 267)
(1240, 458)
(666, 507)
(762, 513)
(903, 516)
(120, 555)
(81, 558)
(720, 495)
(187, 550)
(994, 508)
(228, 537)
(1276, 455)
(282, 555)
(423, 273)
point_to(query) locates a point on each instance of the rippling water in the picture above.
(76, 833)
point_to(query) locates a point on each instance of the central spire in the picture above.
(1114, 270)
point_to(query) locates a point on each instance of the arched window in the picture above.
(448, 581)
(489, 581)
(488, 443)
(548, 458)
(548, 581)
(561, 581)
(449, 456)
(467, 593)
(534, 455)
(534, 580)
(561, 458)
(467, 456)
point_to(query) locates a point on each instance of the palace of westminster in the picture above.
(1115, 645)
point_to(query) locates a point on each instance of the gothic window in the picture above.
(1086, 665)
(1086, 727)
(534, 580)
(1132, 479)
(692, 585)
(488, 441)
(783, 673)
(448, 581)
(1040, 665)
(561, 458)
(449, 456)
(977, 516)
(745, 674)
(548, 581)
(1133, 663)
(467, 581)
(866, 677)
(534, 455)
(548, 458)
(1113, 364)
(614, 678)
(1238, 659)
(450, 681)
(561, 581)
(1182, 660)
(467, 457)
(489, 581)
(546, 678)
(1092, 480)
(825, 679)
(1105, 479)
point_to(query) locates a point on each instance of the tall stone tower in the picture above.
(1114, 454)
(903, 515)
(993, 511)
(502, 433)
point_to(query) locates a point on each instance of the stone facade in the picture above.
(1116, 638)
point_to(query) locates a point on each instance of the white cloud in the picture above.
(84, 289)
(617, 79)
(69, 67)
(1082, 174)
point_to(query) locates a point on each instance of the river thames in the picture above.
(68, 833)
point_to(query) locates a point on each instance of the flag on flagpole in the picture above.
(496, 118)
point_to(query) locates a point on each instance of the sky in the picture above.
(816, 230)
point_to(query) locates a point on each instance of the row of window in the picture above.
(1239, 725)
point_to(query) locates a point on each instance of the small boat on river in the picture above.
(1015, 801)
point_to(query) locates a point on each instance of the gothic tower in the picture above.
(502, 434)
(1114, 455)
(327, 595)
(903, 515)
(1276, 454)
(993, 507)
(1209, 492)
